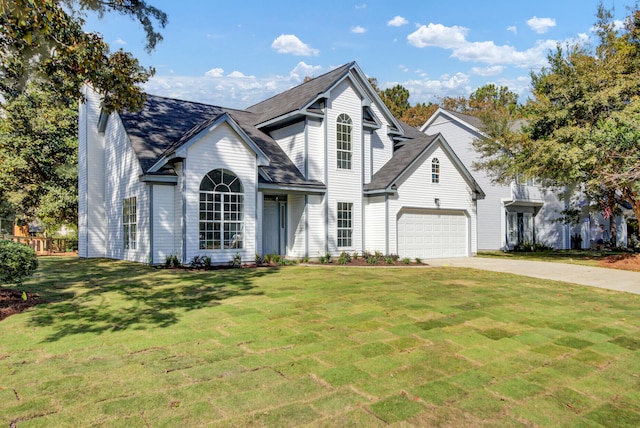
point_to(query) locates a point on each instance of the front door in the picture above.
(520, 229)
(274, 225)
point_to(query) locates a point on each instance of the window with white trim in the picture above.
(435, 170)
(129, 223)
(221, 211)
(345, 224)
(343, 141)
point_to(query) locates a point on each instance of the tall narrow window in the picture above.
(129, 222)
(345, 224)
(343, 141)
(435, 170)
(221, 211)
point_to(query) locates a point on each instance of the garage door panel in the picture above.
(432, 234)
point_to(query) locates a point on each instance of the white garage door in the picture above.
(432, 234)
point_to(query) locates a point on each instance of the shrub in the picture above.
(418, 260)
(372, 260)
(354, 256)
(206, 260)
(258, 260)
(326, 259)
(17, 261)
(172, 261)
(389, 260)
(267, 259)
(366, 254)
(236, 262)
(197, 262)
(346, 256)
(305, 259)
(394, 257)
(378, 255)
(342, 260)
(275, 258)
(406, 260)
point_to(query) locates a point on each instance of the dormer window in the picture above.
(435, 170)
(343, 141)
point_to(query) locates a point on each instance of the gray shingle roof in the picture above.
(401, 160)
(164, 124)
(161, 123)
(296, 98)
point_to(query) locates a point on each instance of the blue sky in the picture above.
(237, 53)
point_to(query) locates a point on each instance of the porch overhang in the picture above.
(292, 188)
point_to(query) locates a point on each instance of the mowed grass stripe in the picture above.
(126, 344)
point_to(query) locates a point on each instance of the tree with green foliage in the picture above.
(487, 98)
(582, 120)
(43, 40)
(397, 99)
(38, 157)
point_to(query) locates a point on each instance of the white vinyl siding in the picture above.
(164, 220)
(291, 140)
(296, 226)
(316, 155)
(375, 224)
(316, 224)
(122, 172)
(220, 148)
(92, 224)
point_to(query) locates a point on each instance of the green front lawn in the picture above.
(127, 345)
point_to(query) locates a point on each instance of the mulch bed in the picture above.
(11, 302)
(622, 261)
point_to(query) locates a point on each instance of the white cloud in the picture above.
(361, 6)
(119, 41)
(358, 30)
(235, 90)
(239, 75)
(513, 29)
(397, 21)
(454, 38)
(493, 70)
(215, 72)
(290, 44)
(541, 25)
(303, 70)
(438, 35)
(427, 90)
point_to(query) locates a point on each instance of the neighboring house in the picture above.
(517, 214)
(321, 168)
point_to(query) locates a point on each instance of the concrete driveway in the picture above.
(612, 279)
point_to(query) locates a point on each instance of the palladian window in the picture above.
(221, 211)
(343, 141)
(435, 170)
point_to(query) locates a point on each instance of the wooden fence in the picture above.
(44, 246)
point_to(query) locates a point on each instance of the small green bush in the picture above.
(354, 256)
(378, 255)
(343, 260)
(236, 262)
(17, 261)
(372, 260)
(406, 260)
(172, 261)
(305, 259)
(389, 260)
(326, 259)
(346, 256)
(418, 260)
(258, 260)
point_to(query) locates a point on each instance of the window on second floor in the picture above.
(343, 141)
(435, 170)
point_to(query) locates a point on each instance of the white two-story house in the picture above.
(321, 168)
(520, 213)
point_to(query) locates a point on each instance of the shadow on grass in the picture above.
(96, 296)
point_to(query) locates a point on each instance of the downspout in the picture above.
(362, 214)
(306, 195)
(386, 223)
(326, 178)
(184, 211)
(151, 217)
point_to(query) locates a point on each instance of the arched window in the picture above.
(435, 170)
(343, 141)
(221, 210)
